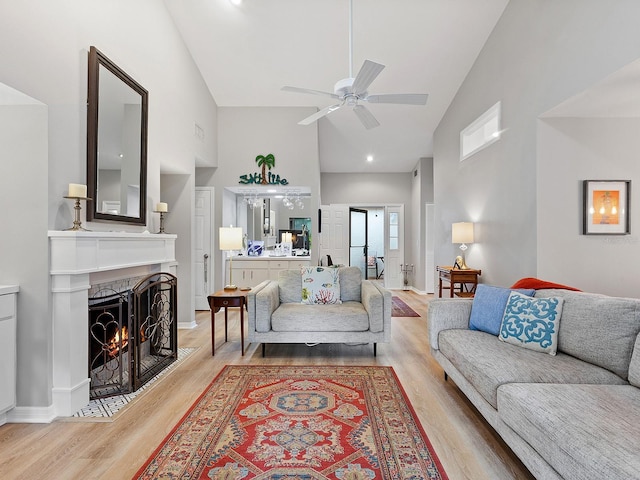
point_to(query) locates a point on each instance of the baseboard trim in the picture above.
(31, 415)
(187, 325)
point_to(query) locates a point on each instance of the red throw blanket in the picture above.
(537, 284)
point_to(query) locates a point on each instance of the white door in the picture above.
(334, 235)
(358, 239)
(394, 248)
(203, 247)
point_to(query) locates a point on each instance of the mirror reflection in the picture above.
(267, 217)
(116, 143)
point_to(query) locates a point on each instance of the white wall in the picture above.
(24, 248)
(44, 50)
(571, 150)
(539, 54)
(421, 195)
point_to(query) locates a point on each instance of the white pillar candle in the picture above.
(162, 207)
(77, 190)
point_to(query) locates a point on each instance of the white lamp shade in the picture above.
(230, 238)
(462, 232)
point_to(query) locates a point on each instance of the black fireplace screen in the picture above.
(133, 335)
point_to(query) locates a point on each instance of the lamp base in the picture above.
(230, 287)
(460, 263)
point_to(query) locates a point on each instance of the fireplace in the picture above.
(80, 261)
(132, 335)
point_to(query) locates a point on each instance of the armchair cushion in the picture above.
(297, 317)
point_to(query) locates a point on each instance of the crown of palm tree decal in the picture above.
(264, 178)
(264, 162)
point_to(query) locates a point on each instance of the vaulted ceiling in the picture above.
(246, 53)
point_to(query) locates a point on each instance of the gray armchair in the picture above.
(277, 314)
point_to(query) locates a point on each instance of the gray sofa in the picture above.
(276, 314)
(575, 415)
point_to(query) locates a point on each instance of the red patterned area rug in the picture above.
(298, 423)
(401, 309)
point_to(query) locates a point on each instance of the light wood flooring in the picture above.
(467, 447)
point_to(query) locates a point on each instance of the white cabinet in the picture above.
(249, 273)
(293, 264)
(275, 267)
(7, 350)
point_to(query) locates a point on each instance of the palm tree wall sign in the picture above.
(264, 162)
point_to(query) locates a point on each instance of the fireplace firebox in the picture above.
(133, 335)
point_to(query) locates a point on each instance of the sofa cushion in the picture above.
(532, 323)
(296, 317)
(597, 328)
(350, 284)
(582, 431)
(488, 307)
(488, 363)
(634, 366)
(290, 286)
(320, 285)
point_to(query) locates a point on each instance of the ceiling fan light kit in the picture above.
(352, 91)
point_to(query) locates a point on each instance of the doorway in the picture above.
(358, 239)
(367, 241)
(203, 246)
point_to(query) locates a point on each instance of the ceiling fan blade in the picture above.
(306, 90)
(399, 98)
(316, 116)
(366, 117)
(367, 74)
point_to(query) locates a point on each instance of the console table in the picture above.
(467, 279)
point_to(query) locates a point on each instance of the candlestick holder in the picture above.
(161, 221)
(77, 223)
(406, 270)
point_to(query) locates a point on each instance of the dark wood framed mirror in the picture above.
(116, 143)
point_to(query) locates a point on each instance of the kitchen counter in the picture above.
(271, 257)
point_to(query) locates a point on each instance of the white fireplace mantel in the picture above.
(75, 255)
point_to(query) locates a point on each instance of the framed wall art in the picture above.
(606, 207)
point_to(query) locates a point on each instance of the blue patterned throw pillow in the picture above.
(532, 323)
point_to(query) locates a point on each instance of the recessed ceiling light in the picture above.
(235, 2)
(369, 158)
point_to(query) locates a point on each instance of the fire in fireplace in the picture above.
(133, 335)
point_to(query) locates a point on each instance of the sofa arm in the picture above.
(377, 302)
(262, 301)
(447, 314)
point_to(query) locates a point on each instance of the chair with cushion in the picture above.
(372, 263)
(319, 305)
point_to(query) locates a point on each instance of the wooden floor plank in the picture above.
(467, 447)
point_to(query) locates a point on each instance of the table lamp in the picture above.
(462, 233)
(230, 239)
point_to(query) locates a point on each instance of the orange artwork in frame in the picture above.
(606, 207)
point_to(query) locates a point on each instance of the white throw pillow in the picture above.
(532, 323)
(320, 285)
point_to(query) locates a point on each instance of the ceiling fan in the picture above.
(352, 92)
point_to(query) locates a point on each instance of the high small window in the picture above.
(484, 131)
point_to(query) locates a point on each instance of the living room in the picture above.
(523, 193)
